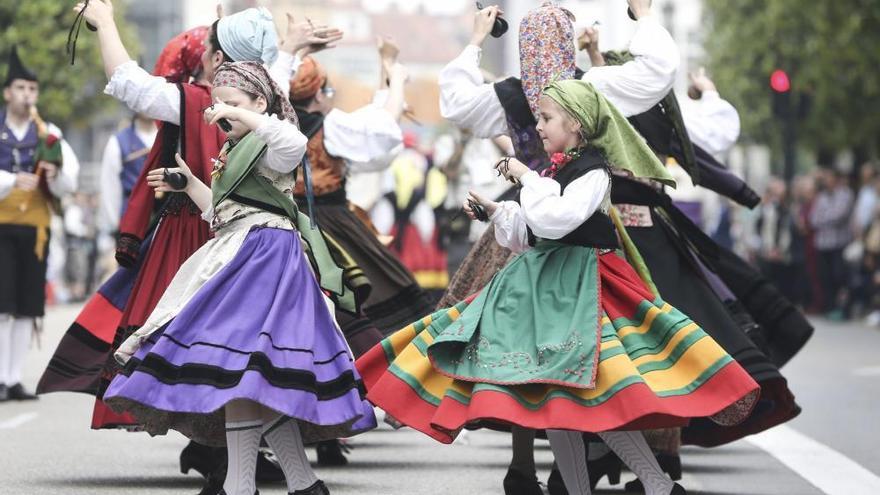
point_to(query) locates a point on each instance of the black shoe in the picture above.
(607, 465)
(4, 393)
(268, 468)
(670, 464)
(223, 492)
(555, 485)
(636, 486)
(17, 392)
(319, 488)
(517, 483)
(206, 460)
(330, 454)
(213, 483)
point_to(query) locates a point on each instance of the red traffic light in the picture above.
(779, 81)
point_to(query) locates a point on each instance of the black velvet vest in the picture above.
(598, 231)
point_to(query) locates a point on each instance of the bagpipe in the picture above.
(48, 150)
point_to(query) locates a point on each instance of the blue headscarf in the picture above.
(249, 35)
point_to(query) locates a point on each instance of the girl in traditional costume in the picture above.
(566, 337)
(245, 331)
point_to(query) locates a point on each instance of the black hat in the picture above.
(17, 70)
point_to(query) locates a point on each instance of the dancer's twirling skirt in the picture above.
(564, 337)
(258, 329)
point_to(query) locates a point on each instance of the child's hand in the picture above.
(511, 168)
(220, 110)
(156, 177)
(489, 205)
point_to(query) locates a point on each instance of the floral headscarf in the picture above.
(254, 78)
(181, 59)
(546, 50)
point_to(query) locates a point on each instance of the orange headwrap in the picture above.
(310, 77)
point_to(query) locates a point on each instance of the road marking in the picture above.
(867, 371)
(16, 421)
(823, 467)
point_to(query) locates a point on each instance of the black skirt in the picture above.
(682, 285)
(22, 273)
(395, 299)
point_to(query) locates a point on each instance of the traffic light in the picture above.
(781, 86)
(779, 81)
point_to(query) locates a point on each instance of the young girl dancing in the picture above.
(245, 334)
(566, 338)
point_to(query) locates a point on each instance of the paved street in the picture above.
(46, 447)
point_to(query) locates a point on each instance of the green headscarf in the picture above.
(606, 129)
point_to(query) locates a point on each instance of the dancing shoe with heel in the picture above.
(518, 483)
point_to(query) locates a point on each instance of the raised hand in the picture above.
(640, 8)
(700, 81)
(484, 20)
(219, 110)
(98, 13)
(306, 38)
(589, 39)
(388, 50)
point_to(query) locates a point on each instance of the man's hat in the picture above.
(17, 70)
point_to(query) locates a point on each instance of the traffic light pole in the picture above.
(789, 139)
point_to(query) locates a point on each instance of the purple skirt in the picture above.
(258, 330)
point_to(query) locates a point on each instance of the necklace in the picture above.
(559, 160)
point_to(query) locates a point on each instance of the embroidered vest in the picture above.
(17, 156)
(134, 155)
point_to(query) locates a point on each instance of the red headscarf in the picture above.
(181, 59)
(309, 79)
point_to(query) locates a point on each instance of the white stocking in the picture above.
(633, 450)
(5, 347)
(242, 443)
(20, 342)
(571, 457)
(285, 439)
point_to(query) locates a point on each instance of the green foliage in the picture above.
(69, 95)
(828, 47)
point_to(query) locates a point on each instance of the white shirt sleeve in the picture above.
(286, 144)
(712, 122)
(68, 177)
(638, 85)
(466, 100)
(283, 69)
(7, 182)
(362, 136)
(111, 186)
(552, 214)
(510, 227)
(144, 93)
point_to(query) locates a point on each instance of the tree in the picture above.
(829, 48)
(69, 95)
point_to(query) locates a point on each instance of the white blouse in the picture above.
(550, 213)
(366, 138)
(285, 147)
(159, 99)
(712, 122)
(633, 87)
(363, 138)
